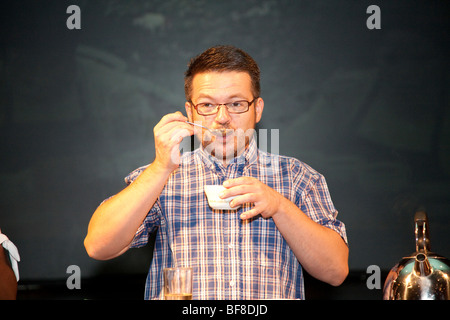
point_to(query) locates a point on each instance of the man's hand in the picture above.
(247, 189)
(169, 133)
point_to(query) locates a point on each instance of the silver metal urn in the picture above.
(423, 275)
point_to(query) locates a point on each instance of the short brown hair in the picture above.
(219, 59)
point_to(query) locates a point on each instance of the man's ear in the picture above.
(259, 107)
(188, 108)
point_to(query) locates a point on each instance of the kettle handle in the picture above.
(422, 232)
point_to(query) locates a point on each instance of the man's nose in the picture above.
(223, 116)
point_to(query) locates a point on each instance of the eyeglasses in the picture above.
(207, 109)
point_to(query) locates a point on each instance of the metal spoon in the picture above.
(216, 132)
(199, 125)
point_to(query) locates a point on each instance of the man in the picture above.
(286, 221)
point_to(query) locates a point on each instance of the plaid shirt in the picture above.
(231, 258)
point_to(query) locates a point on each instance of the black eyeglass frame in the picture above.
(223, 104)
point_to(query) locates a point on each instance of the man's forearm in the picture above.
(115, 222)
(320, 250)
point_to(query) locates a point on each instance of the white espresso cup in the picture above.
(214, 201)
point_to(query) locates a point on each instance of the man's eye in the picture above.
(207, 105)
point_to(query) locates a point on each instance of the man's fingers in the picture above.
(178, 134)
(237, 191)
(168, 118)
(249, 214)
(238, 181)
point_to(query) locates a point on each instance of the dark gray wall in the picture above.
(367, 108)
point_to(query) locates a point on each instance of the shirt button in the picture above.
(232, 283)
(230, 246)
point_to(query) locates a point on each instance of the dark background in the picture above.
(367, 108)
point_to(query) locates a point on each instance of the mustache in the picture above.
(223, 131)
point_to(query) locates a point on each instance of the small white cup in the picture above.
(214, 201)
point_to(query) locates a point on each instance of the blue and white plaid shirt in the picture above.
(231, 258)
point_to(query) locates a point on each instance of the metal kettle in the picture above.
(424, 275)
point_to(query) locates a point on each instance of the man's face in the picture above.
(218, 88)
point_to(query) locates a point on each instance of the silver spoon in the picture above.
(216, 132)
(199, 125)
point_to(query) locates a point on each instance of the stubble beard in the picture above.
(229, 145)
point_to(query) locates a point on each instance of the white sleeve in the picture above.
(14, 256)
